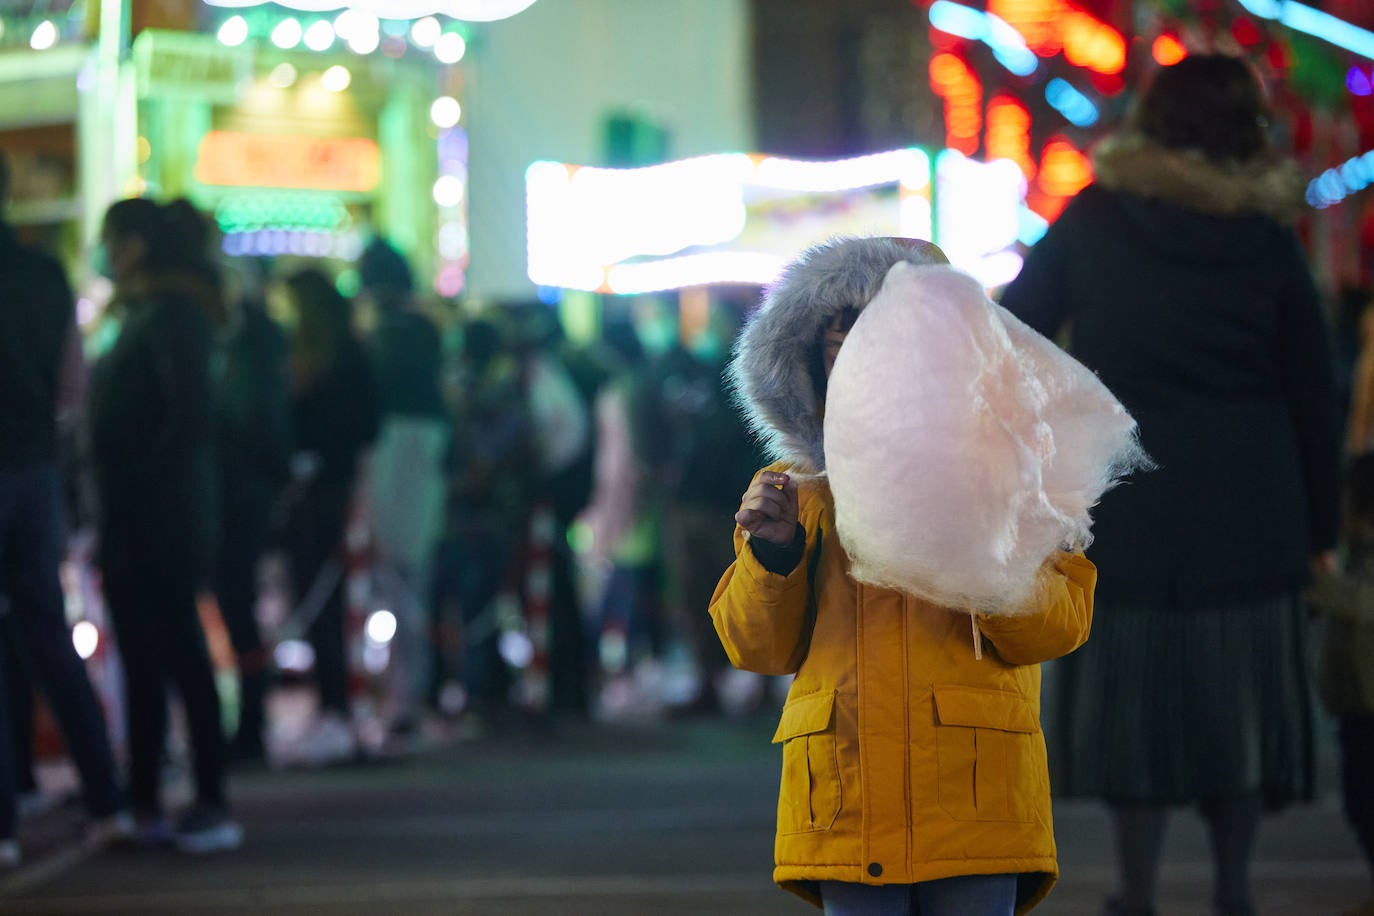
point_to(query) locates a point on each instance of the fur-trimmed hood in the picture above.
(1129, 162)
(771, 373)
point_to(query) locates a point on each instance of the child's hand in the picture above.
(769, 509)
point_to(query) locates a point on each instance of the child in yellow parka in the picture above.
(914, 772)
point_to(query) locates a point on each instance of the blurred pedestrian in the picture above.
(40, 365)
(152, 449)
(623, 516)
(1182, 284)
(252, 436)
(491, 481)
(871, 818)
(559, 385)
(1346, 671)
(704, 456)
(406, 486)
(334, 417)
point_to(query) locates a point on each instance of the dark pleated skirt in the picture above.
(1175, 707)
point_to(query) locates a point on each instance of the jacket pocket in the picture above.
(810, 795)
(986, 742)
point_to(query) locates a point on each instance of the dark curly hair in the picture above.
(1208, 102)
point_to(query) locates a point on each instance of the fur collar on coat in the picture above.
(1186, 178)
(771, 372)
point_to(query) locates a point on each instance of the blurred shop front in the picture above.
(304, 133)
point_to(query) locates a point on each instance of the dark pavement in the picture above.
(657, 819)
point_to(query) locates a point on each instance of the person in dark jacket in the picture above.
(37, 328)
(252, 435)
(334, 417)
(1182, 284)
(152, 451)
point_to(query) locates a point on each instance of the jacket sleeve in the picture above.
(1062, 622)
(762, 617)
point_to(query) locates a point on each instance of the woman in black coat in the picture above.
(1180, 281)
(153, 460)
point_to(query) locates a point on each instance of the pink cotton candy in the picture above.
(963, 448)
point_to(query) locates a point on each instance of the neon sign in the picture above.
(470, 10)
(282, 161)
(727, 218)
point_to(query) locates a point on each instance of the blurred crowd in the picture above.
(435, 521)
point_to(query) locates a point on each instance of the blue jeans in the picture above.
(31, 549)
(966, 895)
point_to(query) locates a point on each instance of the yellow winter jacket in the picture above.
(905, 757)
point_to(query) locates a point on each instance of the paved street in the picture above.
(660, 819)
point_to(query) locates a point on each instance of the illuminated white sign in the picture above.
(979, 215)
(727, 218)
(469, 10)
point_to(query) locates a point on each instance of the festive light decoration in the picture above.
(1336, 184)
(1314, 22)
(726, 218)
(1007, 45)
(262, 211)
(450, 193)
(954, 81)
(233, 32)
(44, 36)
(1008, 133)
(336, 78)
(1167, 50)
(1357, 81)
(470, 10)
(1064, 170)
(1076, 107)
(1052, 26)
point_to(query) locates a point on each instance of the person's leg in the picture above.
(1232, 823)
(1357, 779)
(145, 700)
(236, 589)
(483, 563)
(18, 689)
(568, 671)
(317, 574)
(39, 610)
(967, 895)
(1139, 833)
(839, 898)
(186, 659)
(9, 807)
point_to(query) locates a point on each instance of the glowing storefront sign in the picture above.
(284, 161)
(727, 218)
(470, 10)
(978, 212)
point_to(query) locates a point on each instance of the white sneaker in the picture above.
(10, 854)
(205, 829)
(329, 740)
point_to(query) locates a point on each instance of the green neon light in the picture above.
(301, 212)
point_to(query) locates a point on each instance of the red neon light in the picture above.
(1050, 26)
(1008, 135)
(1064, 171)
(1168, 50)
(953, 80)
(281, 161)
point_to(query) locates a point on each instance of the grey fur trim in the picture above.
(771, 370)
(1136, 165)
